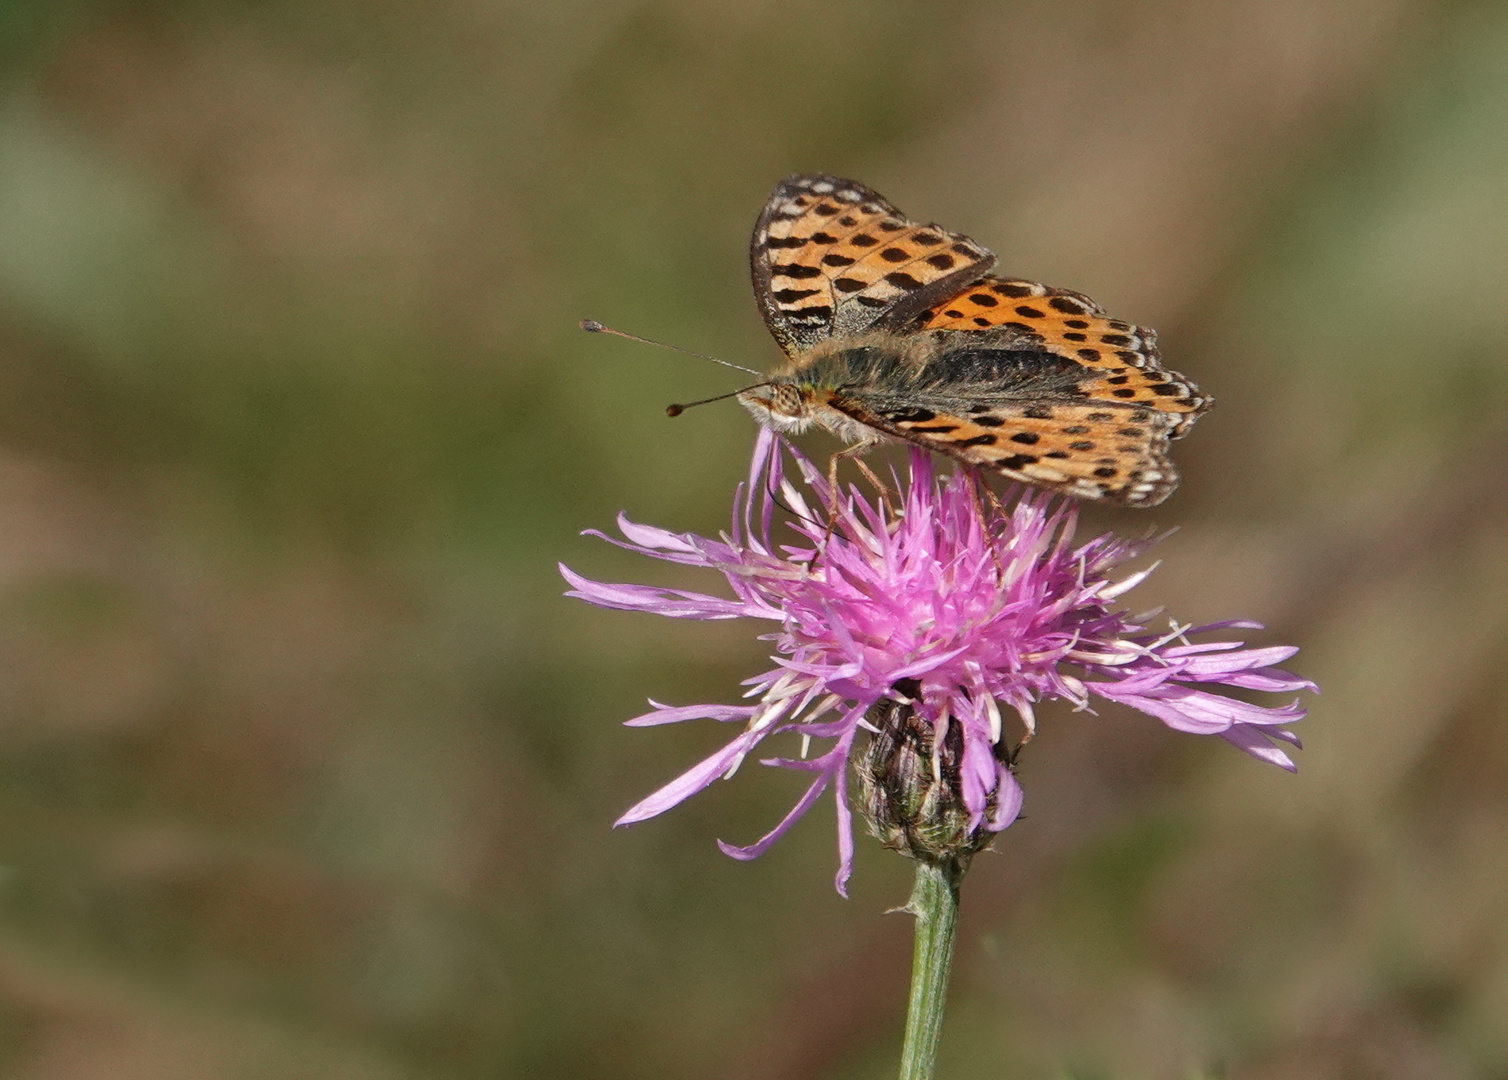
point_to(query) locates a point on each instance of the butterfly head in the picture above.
(782, 406)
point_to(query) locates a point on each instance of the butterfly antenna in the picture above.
(592, 326)
(676, 410)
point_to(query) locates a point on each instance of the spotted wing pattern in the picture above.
(1124, 359)
(832, 258)
(1090, 450)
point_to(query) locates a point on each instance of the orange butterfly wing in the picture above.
(832, 258)
(1089, 450)
(1124, 358)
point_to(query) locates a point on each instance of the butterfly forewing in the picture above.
(1121, 359)
(831, 258)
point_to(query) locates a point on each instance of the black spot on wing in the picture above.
(1011, 289)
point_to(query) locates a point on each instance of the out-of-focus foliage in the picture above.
(305, 768)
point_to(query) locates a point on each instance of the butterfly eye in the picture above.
(786, 399)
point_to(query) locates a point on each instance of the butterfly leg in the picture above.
(878, 484)
(854, 452)
(983, 494)
(983, 491)
(832, 481)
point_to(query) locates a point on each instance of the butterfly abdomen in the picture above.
(1003, 372)
(944, 365)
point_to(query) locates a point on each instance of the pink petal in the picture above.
(845, 823)
(667, 714)
(650, 537)
(673, 602)
(1197, 711)
(1008, 799)
(1245, 660)
(760, 846)
(1255, 742)
(691, 781)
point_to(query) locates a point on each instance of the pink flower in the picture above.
(977, 608)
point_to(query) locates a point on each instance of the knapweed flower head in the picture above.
(957, 607)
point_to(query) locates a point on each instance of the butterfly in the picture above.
(893, 329)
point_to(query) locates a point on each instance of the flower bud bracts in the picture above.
(910, 787)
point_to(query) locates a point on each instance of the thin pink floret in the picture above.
(968, 608)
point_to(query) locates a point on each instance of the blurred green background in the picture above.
(306, 768)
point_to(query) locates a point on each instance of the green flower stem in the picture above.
(934, 902)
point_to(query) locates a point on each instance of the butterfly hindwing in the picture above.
(831, 258)
(1121, 359)
(1089, 450)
